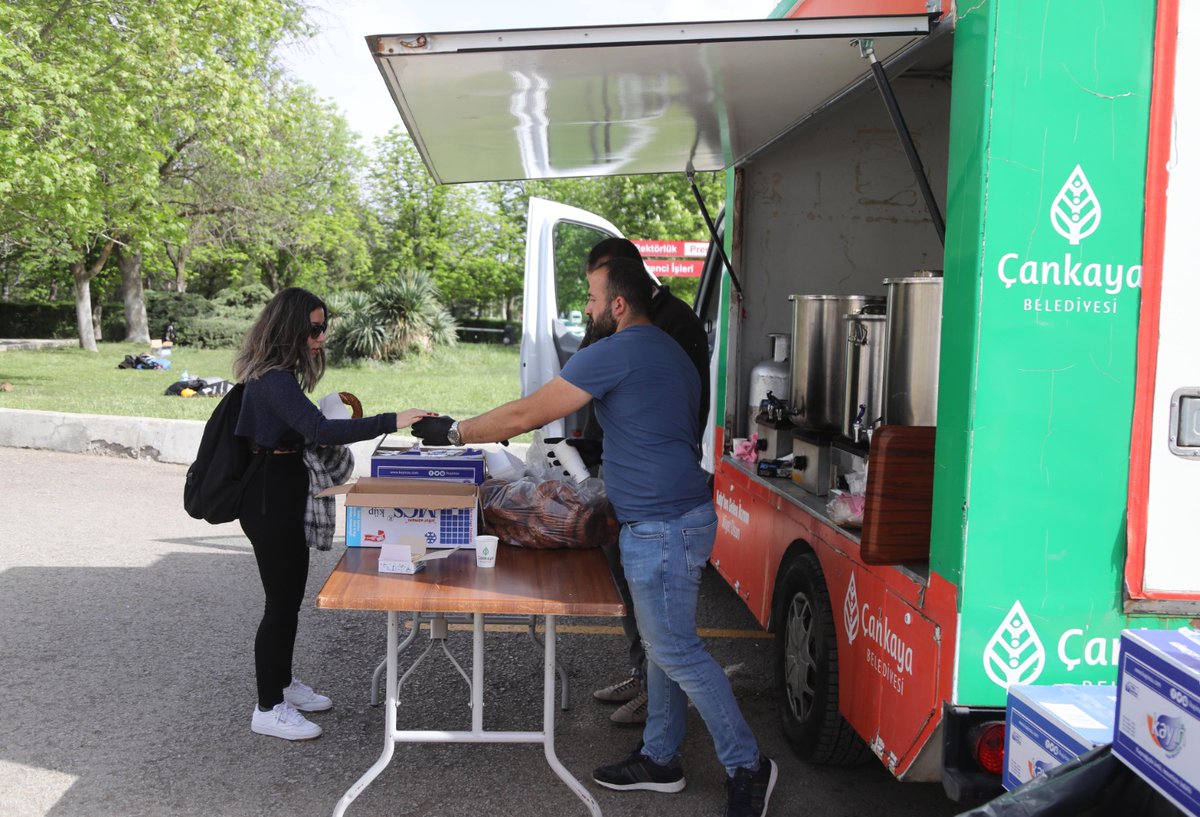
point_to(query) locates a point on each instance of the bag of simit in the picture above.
(213, 490)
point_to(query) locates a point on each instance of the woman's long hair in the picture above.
(279, 340)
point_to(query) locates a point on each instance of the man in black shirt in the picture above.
(678, 320)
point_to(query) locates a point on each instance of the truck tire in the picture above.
(806, 670)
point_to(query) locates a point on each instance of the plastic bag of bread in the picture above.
(548, 513)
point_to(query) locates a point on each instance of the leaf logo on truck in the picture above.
(1075, 212)
(1015, 654)
(850, 614)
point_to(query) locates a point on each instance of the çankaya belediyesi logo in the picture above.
(1069, 284)
(877, 627)
(1075, 212)
(1015, 654)
(850, 613)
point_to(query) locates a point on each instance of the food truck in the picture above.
(967, 227)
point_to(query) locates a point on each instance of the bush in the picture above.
(215, 333)
(21, 320)
(252, 297)
(216, 324)
(394, 319)
(219, 323)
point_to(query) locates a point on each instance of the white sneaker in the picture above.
(284, 722)
(301, 696)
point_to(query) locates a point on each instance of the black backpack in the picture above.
(213, 490)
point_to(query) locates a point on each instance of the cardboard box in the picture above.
(409, 557)
(451, 464)
(379, 511)
(1158, 711)
(1045, 726)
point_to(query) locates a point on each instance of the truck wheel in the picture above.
(806, 670)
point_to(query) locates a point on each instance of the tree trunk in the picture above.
(134, 296)
(179, 262)
(272, 275)
(83, 275)
(98, 321)
(83, 306)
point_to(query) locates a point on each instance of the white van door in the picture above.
(1163, 567)
(558, 240)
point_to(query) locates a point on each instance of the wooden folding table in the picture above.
(545, 583)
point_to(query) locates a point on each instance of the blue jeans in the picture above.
(663, 561)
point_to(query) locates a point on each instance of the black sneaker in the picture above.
(639, 773)
(750, 791)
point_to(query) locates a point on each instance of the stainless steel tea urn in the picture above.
(914, 328)
(866, 342)
(819, 357)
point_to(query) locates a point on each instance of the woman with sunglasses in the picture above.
(282, 357)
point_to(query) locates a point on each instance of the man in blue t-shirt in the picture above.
(647, 394)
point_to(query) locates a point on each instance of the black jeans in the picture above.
(272, 517)
(637, 652)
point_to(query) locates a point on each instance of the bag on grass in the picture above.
(213, 490)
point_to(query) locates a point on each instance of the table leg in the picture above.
(562, 673)
(389, 720)
(412, 634)
(548, 723)
(476, 673)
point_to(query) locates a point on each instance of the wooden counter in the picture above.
(530, 582)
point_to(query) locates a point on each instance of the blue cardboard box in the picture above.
(1158, 711)
(452, 464)
(1045, 726)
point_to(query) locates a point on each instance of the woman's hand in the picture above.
(409, 416)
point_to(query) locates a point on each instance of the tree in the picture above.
(443, 230)
(298, 211)
(648, 206)
(101, 99)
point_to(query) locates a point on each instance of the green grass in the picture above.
(462, 381)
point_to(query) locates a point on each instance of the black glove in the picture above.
(590, 451)
(432, 430)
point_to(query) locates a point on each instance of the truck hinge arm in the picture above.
(867, 50)
(712, 228)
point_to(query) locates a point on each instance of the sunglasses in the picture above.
(315, 330)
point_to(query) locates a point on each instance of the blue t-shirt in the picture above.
(647, 398)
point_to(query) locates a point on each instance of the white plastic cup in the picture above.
(566, 457)
(485, 550)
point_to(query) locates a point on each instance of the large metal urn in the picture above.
(866, 343)
(910, 378)
(819, 357)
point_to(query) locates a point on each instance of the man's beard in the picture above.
(603, 324)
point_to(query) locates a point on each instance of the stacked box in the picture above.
(388, 511)
(1045, 726)
(452, 464)
(1158, 711)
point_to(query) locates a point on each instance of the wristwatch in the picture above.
(453, 435)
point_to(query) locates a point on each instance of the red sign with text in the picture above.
(671, 249)
(674, 267)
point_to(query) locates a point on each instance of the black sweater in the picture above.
(276, 414)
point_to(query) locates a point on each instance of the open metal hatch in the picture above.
(662, 98)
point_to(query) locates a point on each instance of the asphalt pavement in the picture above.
(127, 681)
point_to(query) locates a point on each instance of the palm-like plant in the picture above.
(395, 318)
